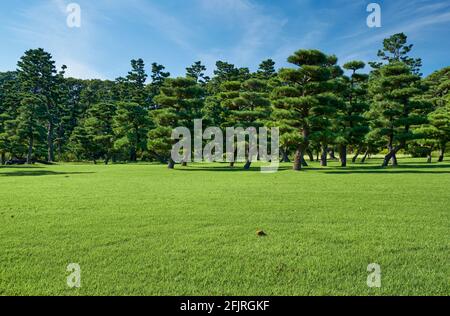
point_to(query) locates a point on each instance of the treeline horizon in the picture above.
(321, 112)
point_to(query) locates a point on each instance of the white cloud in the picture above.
(44, 25)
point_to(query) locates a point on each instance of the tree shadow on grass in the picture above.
(39, 173)
(403, 168)
(20, 167)
(226, 169)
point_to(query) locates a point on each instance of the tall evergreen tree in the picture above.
(158, 76)
(250, 106)
(397, 106)
(178, 104)
(439, 94)
(197, 72)
(93, 139)
(302, 102)
(38, 76)
(266, 70)
(396, 49)
(352, 124)
(29, 128)
(136, 79)
(131, 124)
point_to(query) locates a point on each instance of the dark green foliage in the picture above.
(131, 124)
(180, 102)
(315, 106)
(304, 103)
(39, 77)
(351, 124)
(93, 139)
(437, 131)
(197, 72)
(158, 77)
(397, 106)
(266, 70)
(396, 49)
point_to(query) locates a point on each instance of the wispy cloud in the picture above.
(44, 25)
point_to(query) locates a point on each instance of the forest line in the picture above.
(322, 109)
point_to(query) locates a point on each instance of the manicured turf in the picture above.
(146, 230)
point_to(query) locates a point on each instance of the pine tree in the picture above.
(439, 94)
(38, 76)
(94, 138)
(397, 106)
(178, 104)
(158, 76)
(136, 79)
(266, 70)
(251, 108)
(302, 104)
(131, 124)
(352, 124)
(396, 49)
(29, 128)
(197, 72)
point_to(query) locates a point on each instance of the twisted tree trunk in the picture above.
(284, 155)
(355, 157)
(363, 160)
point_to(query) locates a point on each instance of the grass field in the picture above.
(146, 230)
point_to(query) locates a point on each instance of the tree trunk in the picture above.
(355, 157)
(60, 151)
(363, 160)
(324, 156)
(394, 160)
(429, 158)
(310, 155)
(298, 159)
(343, 155)
(184, 164)
(247, 165)
(391, 156)
(442, 152)
(171, 164)
(50, 154)
(3, 158)
(133, 155)
(284, 155)
(30, 151)
(304, 163)
(332, 155)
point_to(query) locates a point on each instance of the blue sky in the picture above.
(178, 32)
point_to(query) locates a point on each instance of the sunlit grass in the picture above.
(146, 230)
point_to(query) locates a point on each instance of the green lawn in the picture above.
(146, 230)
